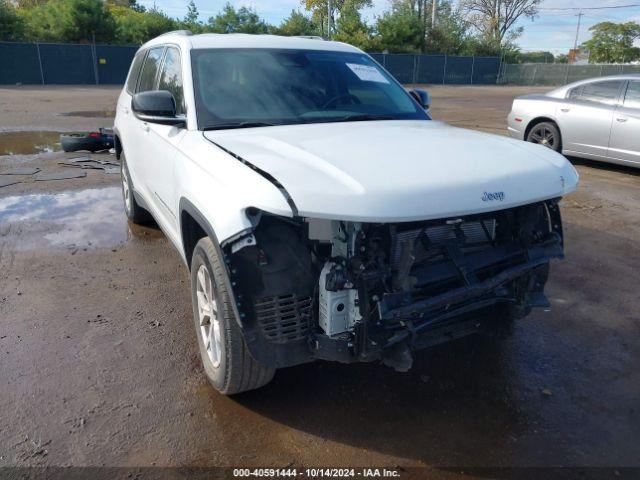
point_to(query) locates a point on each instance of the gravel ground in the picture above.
(99, 362)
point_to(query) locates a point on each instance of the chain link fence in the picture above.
(440, 69)
(558, 73)
(64, 64)
(75, 64)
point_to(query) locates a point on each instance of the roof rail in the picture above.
(309, 37)
(186, 33)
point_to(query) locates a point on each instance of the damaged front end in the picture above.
(310, 289)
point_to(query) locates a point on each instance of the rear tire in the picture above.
(547, 134)
(135, 213)
(226, 359)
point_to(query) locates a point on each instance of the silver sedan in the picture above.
(598, 119)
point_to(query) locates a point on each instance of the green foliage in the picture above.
(78, 21)
(407, 28)
(534, 57)
(319, 11)
(450, 34)
(297, 24)
(243, 20)
(351, 29)
(191, 20)
(138, 27)
(404, 28)
(11, 24)
(399, 31)
(613, 42)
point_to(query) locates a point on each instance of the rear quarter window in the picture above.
(600, 92)
(632, 96)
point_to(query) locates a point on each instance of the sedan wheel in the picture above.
(546, 134)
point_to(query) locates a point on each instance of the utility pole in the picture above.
(328, 19)
(434, 4)
(575, 43)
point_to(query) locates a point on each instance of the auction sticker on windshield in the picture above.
(367, 73)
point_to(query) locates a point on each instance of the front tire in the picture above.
(226, 359)
(547, 134)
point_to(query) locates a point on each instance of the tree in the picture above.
(296, 24)
(351, 29)
(613, 42)
(243, 20)
(407, 28)
(11, 24)
(319, 11)
(535, 57)
(79, 21)
(132, 4)
(496, 19)
(191, 20)
(450, 33)
(399, 30)
(138, 27)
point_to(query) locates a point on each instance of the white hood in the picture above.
(385, 171)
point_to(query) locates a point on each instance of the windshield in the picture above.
(254, 87)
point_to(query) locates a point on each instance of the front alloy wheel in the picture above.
(227, 361)
(208, 316)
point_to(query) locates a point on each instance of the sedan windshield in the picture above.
(238, 88)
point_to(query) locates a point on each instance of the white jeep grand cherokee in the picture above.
(322, 213)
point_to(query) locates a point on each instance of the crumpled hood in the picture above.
(384, 171)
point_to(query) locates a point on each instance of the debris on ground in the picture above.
(6, 181)
(91, 141)
(41, 177)
(546, 392)
(21, 171)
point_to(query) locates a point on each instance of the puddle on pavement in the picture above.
(90, 113)
(76, 220)
(26, 143)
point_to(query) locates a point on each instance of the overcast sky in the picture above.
(551, 30)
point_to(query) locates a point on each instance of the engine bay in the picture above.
(351, 291)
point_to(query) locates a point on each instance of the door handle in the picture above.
(565, 110)
(621, 119)
(145, 126)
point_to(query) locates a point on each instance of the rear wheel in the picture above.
(226, 359)
(547, 134)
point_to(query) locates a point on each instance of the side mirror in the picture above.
(156, 106)
(422, 97)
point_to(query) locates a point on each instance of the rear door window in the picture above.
(150, 70)
(632, 96)
(171, 77)
(134, 72)
(600, 92)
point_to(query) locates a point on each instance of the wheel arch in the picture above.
(193, 227)
(117, 143)
(538, 120)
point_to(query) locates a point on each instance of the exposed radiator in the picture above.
(473, 231)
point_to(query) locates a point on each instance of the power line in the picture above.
(592, 8)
